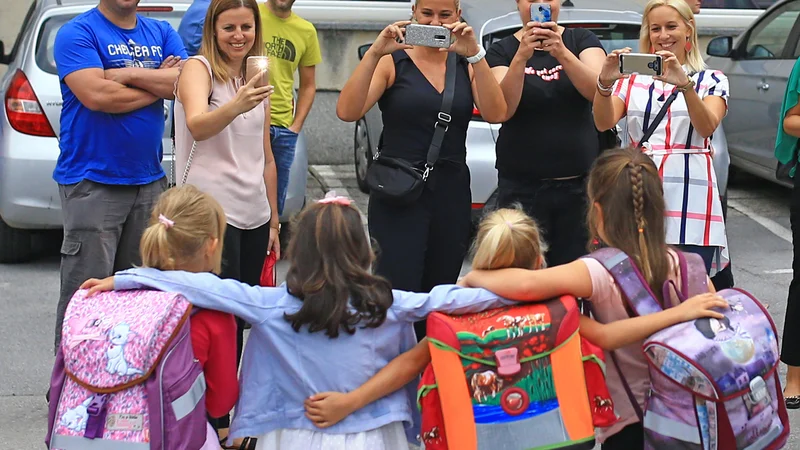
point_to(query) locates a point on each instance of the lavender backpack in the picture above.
(714, 383)
(125, 375)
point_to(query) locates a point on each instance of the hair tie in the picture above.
(166, 222)
(641, 230)
(510, 225)
(332, 198)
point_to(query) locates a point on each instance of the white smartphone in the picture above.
(641, 63)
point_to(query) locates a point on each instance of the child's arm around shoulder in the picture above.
(449, 298)
(329, 408)
(620, 333)
(202, 289)
(533, 285)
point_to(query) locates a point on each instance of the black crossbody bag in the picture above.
(398, 181)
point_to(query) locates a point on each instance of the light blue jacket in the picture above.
(281, 367)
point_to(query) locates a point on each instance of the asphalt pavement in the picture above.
(758, 232)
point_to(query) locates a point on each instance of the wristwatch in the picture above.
(479, 56)
(686, 87)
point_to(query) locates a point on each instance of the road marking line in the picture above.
(333, 183)
(779, 271)
(772, 226)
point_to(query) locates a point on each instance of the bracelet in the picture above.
(686, 86)
(603, 88)
(276, 228)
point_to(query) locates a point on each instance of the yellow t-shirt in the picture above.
(290, 43)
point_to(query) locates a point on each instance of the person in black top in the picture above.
(548, 143)
(423, 244)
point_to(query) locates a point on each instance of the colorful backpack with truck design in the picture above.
(512, 378)
(125, 375)
(714, 383)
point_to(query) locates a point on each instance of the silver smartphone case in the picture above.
(427, 36)
(640, 63)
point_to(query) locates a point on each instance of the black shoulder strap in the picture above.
(443, 118)
(659, 117)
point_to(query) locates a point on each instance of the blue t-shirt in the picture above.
(191, 28)
(120, 149)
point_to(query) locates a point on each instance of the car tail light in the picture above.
(478, 205)
(476, 114)
(24, 111)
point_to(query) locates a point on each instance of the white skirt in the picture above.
(387, 437)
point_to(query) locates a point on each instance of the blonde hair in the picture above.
(694, 59)
(457, 3)
(508, 238)
(209, 47)
(181, 224)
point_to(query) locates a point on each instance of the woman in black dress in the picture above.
(423, 244)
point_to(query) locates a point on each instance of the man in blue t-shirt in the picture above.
(191, 27)
(111, 64)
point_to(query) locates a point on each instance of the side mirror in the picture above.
(3, 57)
(720, 46)
(362, 50)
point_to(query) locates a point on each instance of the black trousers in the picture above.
(629, 438)
(243, 255)
(790, 347)
(424, 244)
(559, 208)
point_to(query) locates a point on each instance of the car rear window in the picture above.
(50, 27)
(612, 36)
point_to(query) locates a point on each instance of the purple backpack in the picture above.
(125, 375)
(714, 383)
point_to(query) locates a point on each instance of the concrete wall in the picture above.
(11, 14)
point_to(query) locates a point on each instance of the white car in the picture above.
(29, 126)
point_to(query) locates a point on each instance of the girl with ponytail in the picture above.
(626, 200)
(185, 233)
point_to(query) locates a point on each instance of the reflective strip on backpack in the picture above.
(671, 428)
(81, 443)
(186, 403)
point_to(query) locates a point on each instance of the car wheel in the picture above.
(362, 152)
(15, 245)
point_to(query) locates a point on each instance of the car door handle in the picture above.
(763, 86)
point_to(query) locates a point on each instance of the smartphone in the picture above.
(641, 63)
(256, 64)
(540, 12)
(428, 36)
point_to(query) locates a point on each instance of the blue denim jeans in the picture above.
(283, 142)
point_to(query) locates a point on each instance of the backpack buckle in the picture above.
(507, 361)
(95, 423)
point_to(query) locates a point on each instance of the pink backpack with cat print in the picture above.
(125, 375)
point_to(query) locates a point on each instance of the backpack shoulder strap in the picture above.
(630, 281)
(694, 278)
(456, 402)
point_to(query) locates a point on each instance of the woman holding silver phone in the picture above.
(548, 142)
(222, 142)
(423, 242)
(694, 100)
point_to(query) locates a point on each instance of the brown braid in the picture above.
(638, 213)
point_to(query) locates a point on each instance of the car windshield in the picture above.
(47, 36)
(612, 36)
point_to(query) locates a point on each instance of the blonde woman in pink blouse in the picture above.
(226, 119)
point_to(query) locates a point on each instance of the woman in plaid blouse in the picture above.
(681, 144)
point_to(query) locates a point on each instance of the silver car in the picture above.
(758, 64)
(29, 126)
(616, 23)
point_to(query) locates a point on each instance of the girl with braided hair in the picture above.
(626, 211)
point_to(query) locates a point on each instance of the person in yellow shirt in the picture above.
(292, 45)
